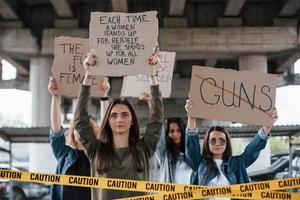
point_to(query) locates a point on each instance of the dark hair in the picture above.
(106, 157)
(173, 148)
(207, 154)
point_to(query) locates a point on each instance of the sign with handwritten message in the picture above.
(134, 85)
(230, 95)
(67, 68)
(123, 42)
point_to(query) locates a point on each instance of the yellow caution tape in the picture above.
(258, 190)
(266, 195)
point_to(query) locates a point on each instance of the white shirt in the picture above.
(219, 180)
(182, 173)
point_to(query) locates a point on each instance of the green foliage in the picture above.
(236, 146)
(279, 145)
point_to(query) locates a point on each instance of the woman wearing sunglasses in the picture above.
(216, 166)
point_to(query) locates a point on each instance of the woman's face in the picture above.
(217, 144)
(120, 119)
(174, 133)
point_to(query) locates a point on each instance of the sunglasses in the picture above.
(213, 141)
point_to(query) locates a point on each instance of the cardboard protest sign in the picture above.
(229, 95)
(134, 85)
(123, 42)
(67, 68)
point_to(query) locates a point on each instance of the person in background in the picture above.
(120, 152)
(215, 165)
(169, 154)
(68, 150)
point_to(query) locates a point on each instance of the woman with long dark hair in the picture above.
(170, 153)
(216, 166)
(119, 152)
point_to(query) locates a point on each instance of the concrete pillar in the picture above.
(41, 157)
(40, 71)
(256, 63)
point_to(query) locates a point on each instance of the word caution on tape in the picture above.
(165, 191)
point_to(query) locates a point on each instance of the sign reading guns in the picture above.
(67, 68)
(229, 95)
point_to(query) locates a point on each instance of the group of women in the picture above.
(115, 149)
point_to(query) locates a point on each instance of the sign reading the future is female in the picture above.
(123, 42)
(67, 68)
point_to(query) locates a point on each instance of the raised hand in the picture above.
(274, 116)
(52, 85)
(154, 60)
(89, 61)
(105, 86)
(191, 120)
(188, 105)
(144, 96)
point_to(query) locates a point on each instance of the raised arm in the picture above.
(192, 145)
(55, 110)
(161, 148)
(258, 143)
(155, 120)
(57, 138)
(81, 116)
(104, 100)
